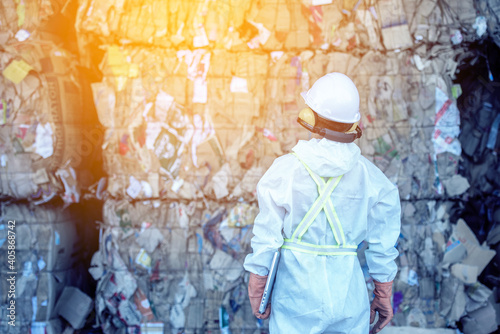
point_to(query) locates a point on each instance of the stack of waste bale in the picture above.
(478, 76)
(39, 248)
(172, 265)
(20, 19)
(444, 240)
(199, 102)
(41, 118)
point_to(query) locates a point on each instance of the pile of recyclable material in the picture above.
(198, 102)
(45, 137)
(41, 116)
(41, 261)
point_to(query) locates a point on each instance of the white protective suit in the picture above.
(324, 293)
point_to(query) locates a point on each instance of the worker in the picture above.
(317, 204)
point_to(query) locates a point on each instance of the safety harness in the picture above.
(323, 202)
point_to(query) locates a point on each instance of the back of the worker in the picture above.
(317, 205)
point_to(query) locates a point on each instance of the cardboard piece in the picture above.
(394, 25)
(464, 247)
(456, 185)
(143, 305)
(481, 321)
(477, 255)
(74, 306)
(455, 251)
(456, 299)
(226, 266)
(479, 295)
(16, 71)
(465, 273)
(149, 239)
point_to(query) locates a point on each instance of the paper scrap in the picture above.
(44, 143)
(34, 306)
(27, 269)
(412, 278)
(152, 327)
(226, 266)
(261, 38)
(120, 66)
(457, 37)
(71, 191)
(477, 255)
(17, 71)
(201, 39)
(321, 2)
(446, 125)
(177, 184)
(41, 264)
(3, 112)
(22, 35)
(21, 13)
(456, 91)
(38, 327)
(41, 176)
(466, 273)
(269, 135)
(480, 25)
(145, 112)
(276, 55)
(492, 138)
(456, 185)
(152, 132)
(239, 85)
(135, 187)
(143, 259)
(200, 90)
(146, 188)
(162, 105)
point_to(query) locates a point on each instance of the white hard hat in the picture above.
(334, 97)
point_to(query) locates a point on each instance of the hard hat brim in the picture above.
(310, 103)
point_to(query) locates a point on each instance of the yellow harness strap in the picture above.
(323, 202)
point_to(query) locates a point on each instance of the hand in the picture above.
(381, 304)
(256, 285)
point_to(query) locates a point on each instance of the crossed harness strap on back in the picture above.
(323, 202)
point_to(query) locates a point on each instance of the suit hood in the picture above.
(328, 158)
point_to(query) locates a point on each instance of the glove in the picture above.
(381, 304)
(256, 285)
